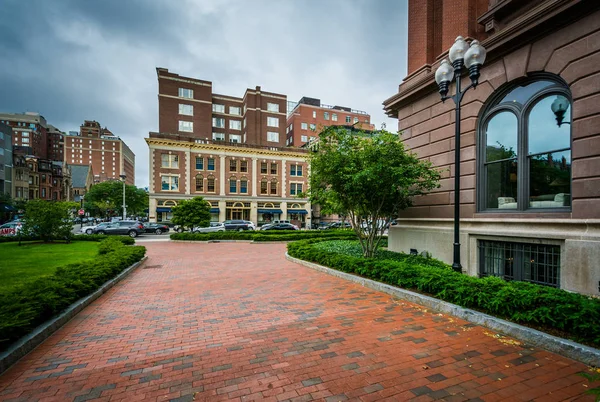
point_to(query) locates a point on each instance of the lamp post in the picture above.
(124, 206)
(81, 207)
(461, 55)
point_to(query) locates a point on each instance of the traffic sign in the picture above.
(81, 212)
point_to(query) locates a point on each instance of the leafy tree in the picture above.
(108, 196)
(48, 220)
(192, 213)
(367, 177)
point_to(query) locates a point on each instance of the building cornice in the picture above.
(498, 45)
(156, 143)
(188, 81)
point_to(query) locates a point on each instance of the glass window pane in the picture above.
(501, 179)
(550, 180)
(501, 137)
(543, 130)
(521, 94)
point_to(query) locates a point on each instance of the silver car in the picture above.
(214, 227)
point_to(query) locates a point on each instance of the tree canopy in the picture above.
(106, 198)
(367, 177)
(48, 220)
(192, 213)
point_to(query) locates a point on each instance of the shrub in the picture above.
(577, 316)
(124, 239)
(265, 235)
(29, 305)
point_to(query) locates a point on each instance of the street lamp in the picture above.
(559, 107)
(81, 207)
(124, 206)
(473, 56)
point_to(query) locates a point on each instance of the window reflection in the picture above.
(550, 180)
(523, 93)
(501, 161)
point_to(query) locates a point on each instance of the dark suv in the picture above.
(130, 228)
(238, 225)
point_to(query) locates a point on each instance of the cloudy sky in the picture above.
(75, 60)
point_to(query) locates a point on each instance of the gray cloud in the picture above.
(75, 60)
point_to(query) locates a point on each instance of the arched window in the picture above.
(199, 182)
(264, 186)
(274, 187)
(524, 150)
(233, 184)
(244, 185)
(210, 184)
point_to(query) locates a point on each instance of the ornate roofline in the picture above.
(213, 147)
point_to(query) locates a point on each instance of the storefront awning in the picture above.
(270, 211)
(214, 210)
(163, 209)
(297, 211)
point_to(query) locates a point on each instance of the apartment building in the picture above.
(98, 147)
(34, 139)
(30, 130)
(530, 143)
(230, 150)
(308, 117)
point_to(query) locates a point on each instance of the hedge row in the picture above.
(569, 314)
(266, 235)
(29, 305)
(124, 239)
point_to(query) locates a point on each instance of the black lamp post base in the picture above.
(456, 264)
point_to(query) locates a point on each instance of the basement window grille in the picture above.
(535, 263)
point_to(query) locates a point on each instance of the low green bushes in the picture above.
(124, 239)
(266, 235)
(29, 305)
(569, 314)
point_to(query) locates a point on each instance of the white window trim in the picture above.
(272, 119)
(181, 105)
(232, 123)
(185, 130)
(214, 108)
(273, 107)
(272, 133)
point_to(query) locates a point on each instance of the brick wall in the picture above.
(427, 124)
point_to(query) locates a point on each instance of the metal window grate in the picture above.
(535, 263)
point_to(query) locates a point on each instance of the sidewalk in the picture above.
(235, 321)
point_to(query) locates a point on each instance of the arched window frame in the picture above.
(199, 182)
(210, 183)
(493, 108)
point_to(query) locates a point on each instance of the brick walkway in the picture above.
(238, 322)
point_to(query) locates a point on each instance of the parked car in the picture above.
(89, 229)
(214, 227)
(280, 226)
(237, 224)
(130, 228)
(10, 229)
(337, 225)
(157, 228)
(251, 225)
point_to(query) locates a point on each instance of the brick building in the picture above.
(530, 140)
(230, 150)
(34, 139)
(309, 116)
(98, 147)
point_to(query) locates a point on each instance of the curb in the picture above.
(29, 342)
(564, 347)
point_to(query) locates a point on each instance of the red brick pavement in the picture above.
(226, 321)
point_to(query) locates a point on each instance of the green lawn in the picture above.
(19, 265)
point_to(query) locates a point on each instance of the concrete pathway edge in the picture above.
(29, 342)
(564, 347)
